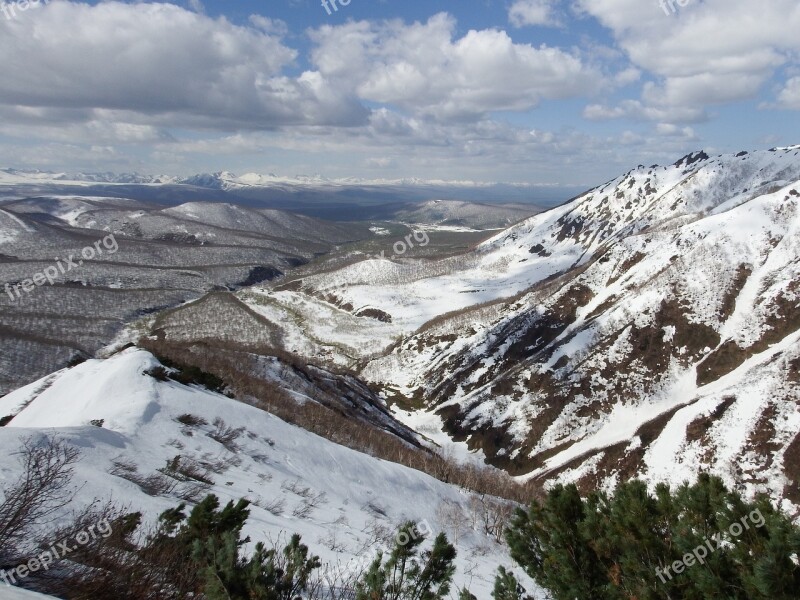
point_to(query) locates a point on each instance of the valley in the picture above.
(608, 338)
(645, 329)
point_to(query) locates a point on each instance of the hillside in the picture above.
(455, 214)
(345, 504)
(648, 327)
(151, 259)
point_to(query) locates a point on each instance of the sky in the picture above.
(553, 92)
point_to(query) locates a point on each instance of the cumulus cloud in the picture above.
(424, 69)
(170, 84)
(164, 61)
(534, 12)
(673, 131)
(637, 110)
(710, 52)
(789, 96)
(394, 146)
(197, 6)
(269, 25)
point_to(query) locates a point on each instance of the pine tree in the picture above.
(210, 539)
(506, 586)
(297, 569)
(548, 544)
(408, 574)
(699, 541)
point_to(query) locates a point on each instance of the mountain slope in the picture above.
(453, 213)
(161, 258)
(344, 503)
(669, 346)
(648, 327)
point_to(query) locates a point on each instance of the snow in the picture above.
(733, 430)
(225, 180)
(622, 424)
(139, 416)
(9, 231)
(13, 593)
(430, 426)
(413, 292)
(666, 234)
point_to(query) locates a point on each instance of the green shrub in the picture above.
(407, 574)
(698, 541)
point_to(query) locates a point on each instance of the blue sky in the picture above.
(543, 91)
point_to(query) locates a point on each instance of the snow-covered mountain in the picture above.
(20, 176)
(222, 180)
(130, 425)
(668, 344)
(457, 214)
(648, 327)
(166, 256)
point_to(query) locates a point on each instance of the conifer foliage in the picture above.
(407, 574)
(697, 541)
(201, 555)
(506, 587)
(211, 540)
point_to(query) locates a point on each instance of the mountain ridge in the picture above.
(643, 305)
(225, 180)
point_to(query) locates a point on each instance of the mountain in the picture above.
(152, 442)
(343, 200)
(649, 327)
(223, 179)
(28, 175)
(151, 258)
(458, 214)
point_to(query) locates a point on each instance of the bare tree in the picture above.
(43, 489)
(452, 517)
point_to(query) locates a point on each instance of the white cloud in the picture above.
(422, 68)
(673, 131)
(534, 12)
(628, 76)
(789, 96)
(152, 86)
(197, 6)
(79, 126)
(637, 110)
(268, 25)
(163, 61)
(710, 52)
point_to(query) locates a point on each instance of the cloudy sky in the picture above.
(539, 91)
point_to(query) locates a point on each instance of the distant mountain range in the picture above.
(347, 199)
(224, 180)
